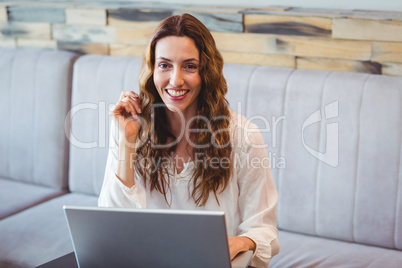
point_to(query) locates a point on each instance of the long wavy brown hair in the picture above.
(213, 173)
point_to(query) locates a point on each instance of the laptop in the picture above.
(119, 237)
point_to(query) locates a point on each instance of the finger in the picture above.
(128, 94)
(136, 103)
(136, 100)
(123, 95)
(119, 111)
(130, 106)
(133, 96)
(123, 108)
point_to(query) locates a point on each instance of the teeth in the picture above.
(175, 93)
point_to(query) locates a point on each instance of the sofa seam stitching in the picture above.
(34, 114)
(317, 173)
(355, 184)
(253, 71)
(282, 143)
(10, 126)
(398, 182)
(93, 164)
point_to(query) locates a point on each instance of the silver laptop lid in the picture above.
(117, 237)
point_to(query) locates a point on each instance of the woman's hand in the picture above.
(239, 244)
(126, 112)
(129, 124)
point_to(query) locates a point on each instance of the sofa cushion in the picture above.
(35, 88)
(39, 234)
(334, 143)
(97, 85)
(16, 196)
(298, 250)
(258, 92)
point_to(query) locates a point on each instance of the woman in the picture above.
(179, 146)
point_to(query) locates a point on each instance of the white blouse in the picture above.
(249, 200)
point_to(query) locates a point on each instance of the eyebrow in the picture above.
(166, 59)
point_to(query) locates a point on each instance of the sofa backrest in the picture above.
(35, 94)
(334, 141)
(97, 84)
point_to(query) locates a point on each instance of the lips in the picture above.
(176, 94)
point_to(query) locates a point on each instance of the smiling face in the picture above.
(176, 74)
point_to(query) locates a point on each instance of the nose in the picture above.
(176, 79)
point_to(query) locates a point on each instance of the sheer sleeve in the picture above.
(114, 193)
(258, 198)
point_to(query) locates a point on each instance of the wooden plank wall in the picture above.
(351, 41)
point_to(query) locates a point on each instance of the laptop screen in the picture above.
(118, 237)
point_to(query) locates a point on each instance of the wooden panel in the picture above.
(3, 14)
(265, 9)
(259, 59)
(25, 30)
(287, 25)
(393, 69)
(134, 4)
(132, 36)
(36, 43)
(323, 47)
(100, 34)
(86, 16)
(342, 13)
(367, 29)
(8, 42)
(85, 48)
(36, 14)
(137, 18)
(127, 50)
(376, 15)
(208, 9)
(387, 51)
(150, 25)
(316, 13)
(251, 43)
(338, 65)
(218, 22)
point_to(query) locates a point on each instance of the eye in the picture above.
(191, 67)
(163, 65)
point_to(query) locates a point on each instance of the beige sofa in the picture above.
(333, 139)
